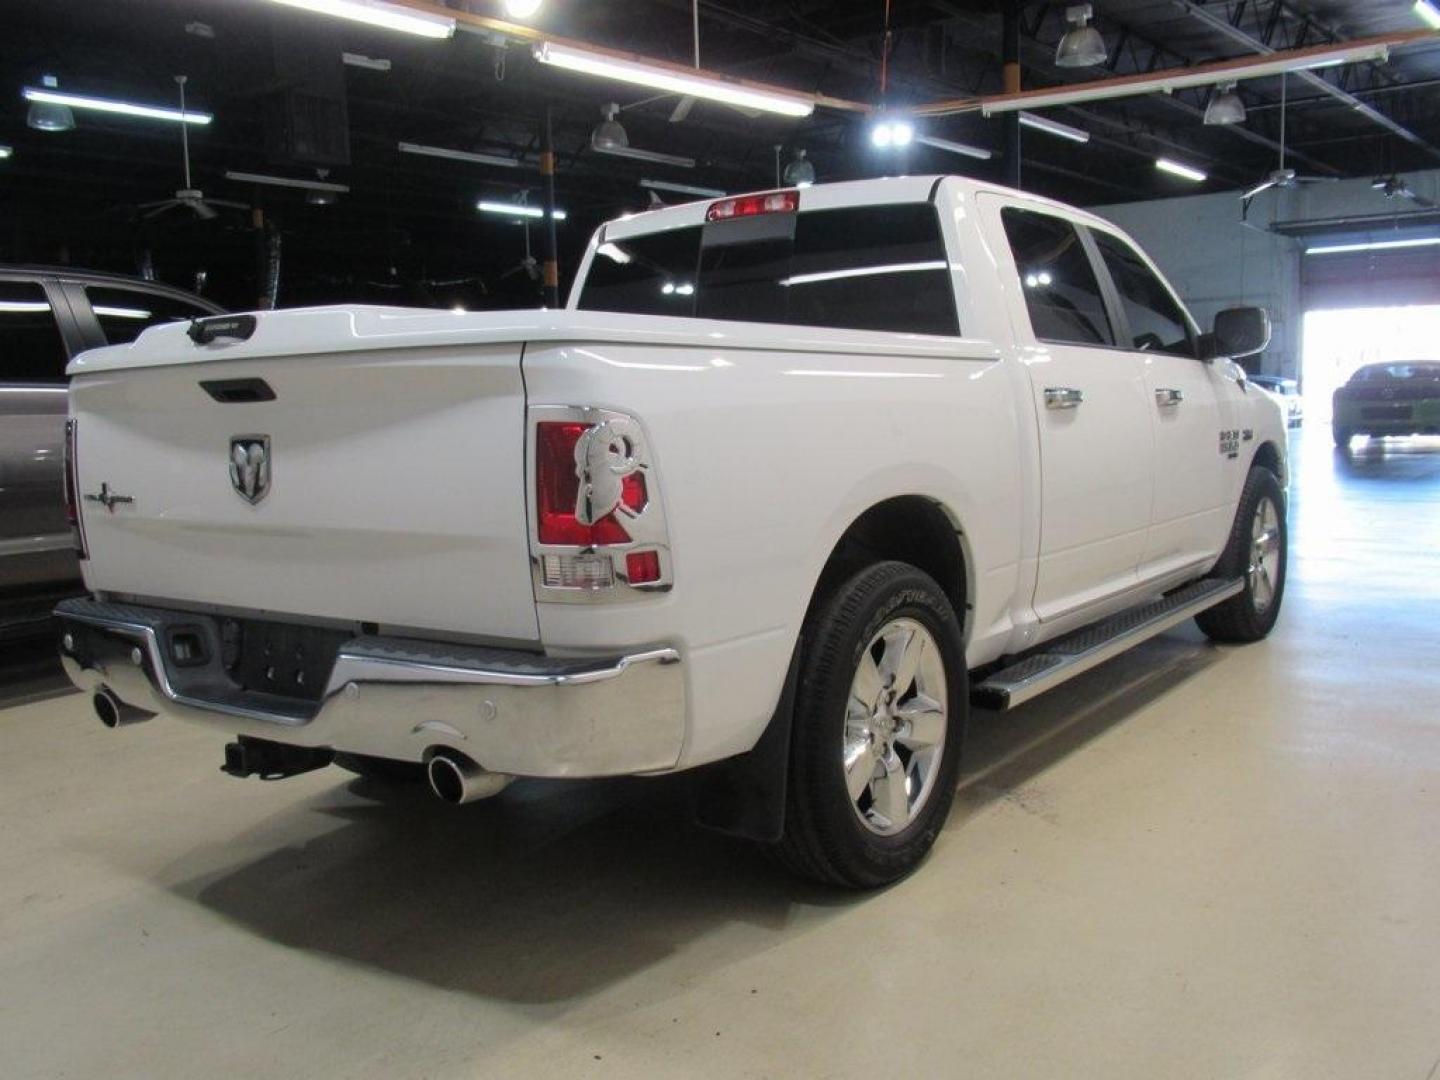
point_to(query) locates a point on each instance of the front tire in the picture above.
(1258, 550)
(1342, 436)
(879, 722)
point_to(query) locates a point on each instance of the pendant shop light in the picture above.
(800, 172)
(1082, 45)
(1225, 106)
(47, 115)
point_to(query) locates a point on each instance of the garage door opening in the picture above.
(1337, 341)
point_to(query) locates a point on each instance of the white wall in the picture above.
(1216, 261)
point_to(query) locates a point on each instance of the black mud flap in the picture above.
(744, 796)
(271, 760)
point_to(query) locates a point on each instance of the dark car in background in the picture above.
(1388, 399)
(1288, 391)
(47, 315)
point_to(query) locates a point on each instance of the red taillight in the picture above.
(773, 202)
(557, 489)
(72, 492)
(642, 567)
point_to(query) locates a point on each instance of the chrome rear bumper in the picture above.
(512, 712)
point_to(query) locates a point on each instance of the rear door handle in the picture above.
(1167, 398)
(1063, 397)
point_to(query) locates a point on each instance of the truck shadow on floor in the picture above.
(552, 892)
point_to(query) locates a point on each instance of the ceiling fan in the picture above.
(1395, 187)
(1283, 177)
(189, 197)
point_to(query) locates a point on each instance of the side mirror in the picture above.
(1240, 331)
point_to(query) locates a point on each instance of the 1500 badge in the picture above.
(1230, 443)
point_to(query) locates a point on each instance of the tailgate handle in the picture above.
(204, 331)
(235, 391)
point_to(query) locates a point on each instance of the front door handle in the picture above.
(1167, 398)
(1063, 397)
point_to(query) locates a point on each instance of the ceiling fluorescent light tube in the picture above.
(370, 63)
(683, 189)
(652, 156)
(1429, 13)
(1054, 127)
(516, 209)
(1109, 89)
(124, 108)
(955, 147)
(458, 155)
(377, 13)
(1175, 168)
(674, 80)
(1374, 245)
(285, 181)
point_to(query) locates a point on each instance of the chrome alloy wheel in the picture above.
(896, 720)
(1264, 570)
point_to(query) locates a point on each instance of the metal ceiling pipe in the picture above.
(1243, 37)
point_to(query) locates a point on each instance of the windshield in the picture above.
(858, 268)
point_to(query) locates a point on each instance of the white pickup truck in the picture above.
(792, 479)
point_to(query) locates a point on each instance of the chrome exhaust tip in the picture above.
(113, 712)
(455, 779)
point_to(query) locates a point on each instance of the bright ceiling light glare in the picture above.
(1082, 45)
(1054, 127)
(377, 13)
(1374, 245)
(892, 131)
(521, 9)
(519, 210)
(1185, 172)
(5, 151)
(671, 80)
(1225, 107)
(46, 96)
(1429, 14)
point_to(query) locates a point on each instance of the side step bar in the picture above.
(1066, 657)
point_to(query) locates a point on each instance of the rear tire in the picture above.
(880, 712)
(1258, 551)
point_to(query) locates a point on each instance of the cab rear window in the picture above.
(858, 268)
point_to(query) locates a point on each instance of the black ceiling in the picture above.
(408, 226)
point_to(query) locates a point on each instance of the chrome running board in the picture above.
(1064, 658)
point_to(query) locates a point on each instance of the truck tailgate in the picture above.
(395, 489)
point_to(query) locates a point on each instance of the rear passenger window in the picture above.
(1061, 291)
(857, 268)
(1157, 323)
(31, 349)
(123, 313)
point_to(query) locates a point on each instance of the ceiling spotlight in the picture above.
(50, 115)
(521, 9)
(609, 134)
(799, 173)
(320, 198)
(1225, 106)
(892, 132)
(1082, 45)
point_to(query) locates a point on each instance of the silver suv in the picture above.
(47, 315)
